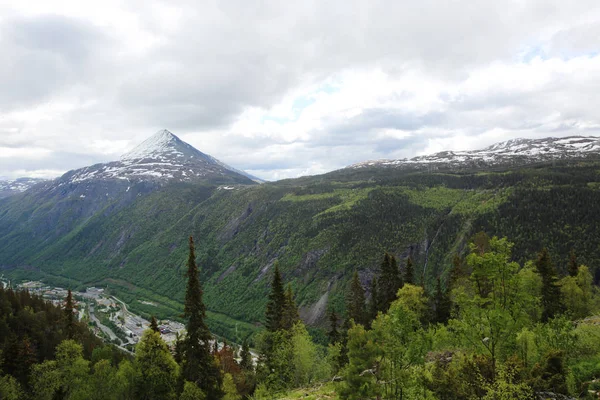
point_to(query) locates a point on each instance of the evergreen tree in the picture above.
(389, 282)
(442, 303)
(551, 299)
(409, 272)
(333, 334)
(154, 324)
(573, 267)
(276, 303)
(290, 311)
(396, 276)
(199, 365)
(356, 301)
(70, 318)
(457, 270)
(374, 307)
(246, 357)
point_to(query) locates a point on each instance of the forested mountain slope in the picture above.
(320, 229)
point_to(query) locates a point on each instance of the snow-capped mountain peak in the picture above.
(510, 152)
(162, 144)
(162, 157)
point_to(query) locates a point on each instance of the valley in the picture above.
(127, 233)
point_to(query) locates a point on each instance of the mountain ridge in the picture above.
(519, 151)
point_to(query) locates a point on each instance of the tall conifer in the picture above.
(442, 303)
(290, 311)
(276, 304)
(70, 318)
(409, 272)
(573, 267)
(333, 334)
(374, 306)
(551, 299)
(356, 301)
(246, 357)
(199, 365)
(154, 324)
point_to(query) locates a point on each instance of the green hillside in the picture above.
(319, 228)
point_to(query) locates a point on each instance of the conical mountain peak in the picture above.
(162, 143)
(163, 157)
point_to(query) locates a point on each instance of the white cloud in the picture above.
(285, 90)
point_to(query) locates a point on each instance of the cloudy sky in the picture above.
(283, 89)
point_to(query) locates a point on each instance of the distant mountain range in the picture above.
(9, 187)
(124, 225)
(511, 152)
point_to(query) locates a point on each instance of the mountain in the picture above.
(9, 187)
(162, 157)
(320, 229)
(510, 153)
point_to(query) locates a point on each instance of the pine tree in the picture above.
(199, 365)
(551, 296)
(154, 324)
(356, 301)
(275, 306)
(442, 303)
(333, 334)
(70, 318)
(290, 314)
(573, 267)
(246, 357)
(409, 273)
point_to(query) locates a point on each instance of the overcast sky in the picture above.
(289, 88)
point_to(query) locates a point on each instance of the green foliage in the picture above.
(230, 389)
(10, 389)
(360, 381)
(576, 293)
(157, 370)
(191, 392)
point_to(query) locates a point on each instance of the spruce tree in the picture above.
(551, 299)
(442, 303)
(246, 357)
(374, 306)
(199, 365)
(396, 275)
(290, 311)
(70, 319)
(356, 301)
(387, 283)
(409, 272)
(573, 267)
(333, 334)
(276, 304)
(154, 324)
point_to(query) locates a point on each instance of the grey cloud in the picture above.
(43, 56)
